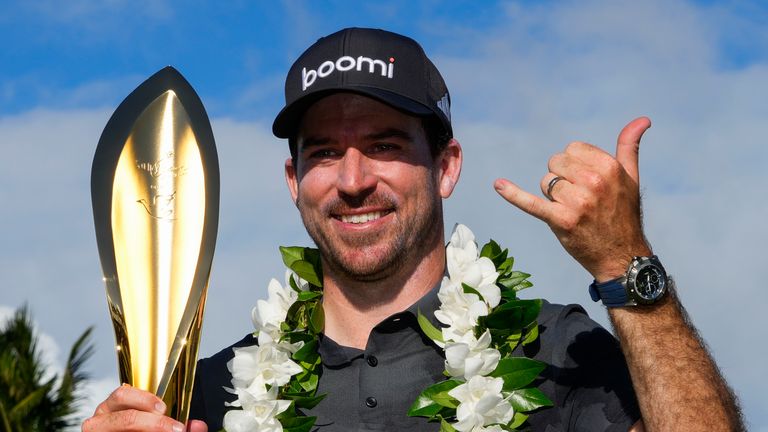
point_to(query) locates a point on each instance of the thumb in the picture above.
(628, 145)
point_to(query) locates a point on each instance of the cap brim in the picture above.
(287, 120)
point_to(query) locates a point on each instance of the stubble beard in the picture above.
(412, 239)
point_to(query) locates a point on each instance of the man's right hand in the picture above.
(131, 409)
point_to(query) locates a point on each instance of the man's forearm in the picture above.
(678, 385)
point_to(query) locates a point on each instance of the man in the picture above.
(367, 117)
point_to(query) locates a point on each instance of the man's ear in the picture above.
(450, 160)
(291, 179)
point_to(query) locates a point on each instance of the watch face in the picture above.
(650, 283)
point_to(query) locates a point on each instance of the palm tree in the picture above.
(29, 401)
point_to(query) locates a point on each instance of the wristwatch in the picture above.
(645, 283)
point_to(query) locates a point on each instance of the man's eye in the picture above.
(384, 147)
(323, 153)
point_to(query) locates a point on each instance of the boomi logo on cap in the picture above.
(347, 63)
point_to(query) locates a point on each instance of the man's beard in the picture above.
(413, 235)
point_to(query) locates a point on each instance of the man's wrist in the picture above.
(643, 283)
(617, 266)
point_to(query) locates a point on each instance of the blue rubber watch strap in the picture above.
(612, 292)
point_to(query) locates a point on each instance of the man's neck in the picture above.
(353, 308)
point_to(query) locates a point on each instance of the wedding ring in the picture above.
(551, 185)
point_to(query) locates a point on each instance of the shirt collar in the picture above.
(334, 355)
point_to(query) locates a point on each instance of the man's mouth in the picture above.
(361, 218)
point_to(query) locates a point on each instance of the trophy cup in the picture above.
(155, 193)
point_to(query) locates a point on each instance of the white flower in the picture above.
(272, 312)
(466, 266)
(481, 404)
(470, 358)
(267, 363)
(458, 310)
(258, 414)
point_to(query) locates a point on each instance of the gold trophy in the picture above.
(155, 192)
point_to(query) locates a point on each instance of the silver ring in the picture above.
(551, 185)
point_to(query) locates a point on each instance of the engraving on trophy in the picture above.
(162, 173)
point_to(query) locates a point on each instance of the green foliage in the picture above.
(27, 401)
(305, 321)
(529, 399)
(434, 399)
(305, 262)
(511, 322)
(430, 330)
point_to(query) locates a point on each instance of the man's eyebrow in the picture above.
(310, 142)
(390, 133)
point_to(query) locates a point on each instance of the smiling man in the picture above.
(367, 117)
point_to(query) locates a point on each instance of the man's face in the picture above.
(366, 186)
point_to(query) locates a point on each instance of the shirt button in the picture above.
(372, 361)
(371, 402)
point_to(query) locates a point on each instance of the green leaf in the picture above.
(531, 334)
(309, 382)
(526, 400)
(306, 271)
(295, 316)
(493, 251)
(510, 343)
(292, 284)
(508, 293)
(518, 420)
(291, 254)
(433, 398)
(317, 320)
(297, 336)
(303, 401)
(518, 372)
(514, 314)
(513, 279)
(445, 426)
(430, 330)
(531, 309)
(518, 364)
(504, 318)
(522, 285)
(506, 265)
(425, 409)
(469, 290)
(308, 295)
(298, 423)
(490, 249)
(305, 262)
(306, 352)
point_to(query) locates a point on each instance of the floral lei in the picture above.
(482, 322)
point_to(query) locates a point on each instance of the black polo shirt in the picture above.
(372, 389)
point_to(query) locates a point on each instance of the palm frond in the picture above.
(5, 423)
(27, 403)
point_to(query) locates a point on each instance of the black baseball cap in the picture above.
(386, 66)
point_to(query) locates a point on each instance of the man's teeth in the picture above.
(361, 218)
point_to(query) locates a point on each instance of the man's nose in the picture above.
(355, 174)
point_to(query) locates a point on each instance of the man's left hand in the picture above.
(594, 210)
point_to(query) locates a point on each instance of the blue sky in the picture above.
(525, 77)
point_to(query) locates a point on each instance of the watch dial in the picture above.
(649, 283)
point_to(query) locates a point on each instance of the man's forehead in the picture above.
(338, 111)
